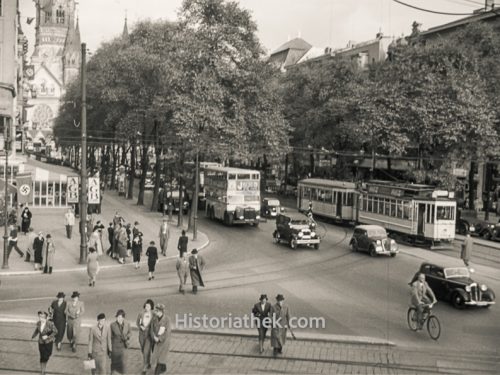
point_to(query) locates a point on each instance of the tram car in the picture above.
(410, 212)
(336, 200)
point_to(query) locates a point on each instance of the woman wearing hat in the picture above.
(152, 254)
(92, 266)
(120, 337)
(196, 265)
(74, 310)
(38, 250)
(143, 322)
(261, 311)
(279, 313)
(46, 331)
(57, 311)
(160, 338)
(50, 251)
(100, 345)
(95, 240)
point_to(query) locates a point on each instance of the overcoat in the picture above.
(196, 265)
(92, 265)
(50, 250)
(122, 240)
(262, 314)
(25, 220)
(467, 249)
(160, 328)
(278, 332)
(38, 249)
(58, 313)
(99, 347)
(120, 341)
(95, 242)
(182, 244)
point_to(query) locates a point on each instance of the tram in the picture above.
(332, 199)
(411, 212)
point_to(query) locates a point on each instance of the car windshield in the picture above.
(273, 202)
(299, 222)
(376, 232)
(450, 273)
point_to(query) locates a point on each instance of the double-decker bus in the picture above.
(232, 195)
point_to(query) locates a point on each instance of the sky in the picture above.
(322, 23)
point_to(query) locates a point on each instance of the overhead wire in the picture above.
(432, 11)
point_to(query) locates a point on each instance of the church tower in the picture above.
(72, 57)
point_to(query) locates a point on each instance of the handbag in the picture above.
(89, 364)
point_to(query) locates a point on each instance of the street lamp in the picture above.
(5, 264)
(83, 171)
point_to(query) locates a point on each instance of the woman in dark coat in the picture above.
(57, 310)
(152, 254)
(137, 247)
(120, 337)
(46, 331)
(261, 311)
(38, 250)
(25, 220)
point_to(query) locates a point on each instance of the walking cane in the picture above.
(293, 335)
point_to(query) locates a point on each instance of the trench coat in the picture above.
(122, 240)
(38, 249)
(95, 242)
(58, 313)
(196, 265)
(50, 250)
(145, 337)
(278, 333)
(467, 249)
(160, 328)
(92, 265)
(99, 347)
(120, 341)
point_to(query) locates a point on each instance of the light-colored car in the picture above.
(373, 239)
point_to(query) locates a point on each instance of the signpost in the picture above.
(72, 186)
(93, 192)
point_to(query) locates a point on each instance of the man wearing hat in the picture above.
(164, 236)
(120, 337)
(196, 265)
(100, 345)
(280, 316)
(74, 310)
(160, 338)
(57, 311)
(261, 312)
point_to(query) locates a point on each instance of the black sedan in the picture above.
(455, 285)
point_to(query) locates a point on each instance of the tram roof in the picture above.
(230, 169)
(403, 185)
(403, 189)
(328, 183)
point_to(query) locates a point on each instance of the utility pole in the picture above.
(83, 171)
(5, 264)
(196, 194)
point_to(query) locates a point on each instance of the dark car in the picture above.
(271, 207)
(468, 222)
(373, 239)
(295, 229)
(455, 285)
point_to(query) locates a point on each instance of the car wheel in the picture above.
(255, 224)
(293, 243)
(354, 245)
(276, 237)
(393, 255)
(316, 246)
(373, 252)
(457, 300)
(487, 235)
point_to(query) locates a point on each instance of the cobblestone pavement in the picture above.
(196, 353)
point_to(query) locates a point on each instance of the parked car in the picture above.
(455, 285)
(295, 229)
(468, 222)
(174, 196)
(271, 207)
(150, 180)
(373, 239)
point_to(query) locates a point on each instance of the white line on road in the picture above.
(26, 299)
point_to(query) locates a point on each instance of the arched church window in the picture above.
(60, 15)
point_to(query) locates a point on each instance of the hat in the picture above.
(43, 313)
(120, 312)
(75, 294)
(263, 296)
(60, 295)
(194, 251)
(101, 316)
(160, 307)
(280, 297)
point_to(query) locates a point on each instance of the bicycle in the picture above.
(431, 321)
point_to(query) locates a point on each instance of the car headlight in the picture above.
(242, 217)
(313, 234)
(472, 228)
(379, 243)
(257, 217)
(300, 234)
(467, 288)
(484, 288)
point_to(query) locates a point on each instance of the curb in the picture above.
(305, 336)
(83, 268)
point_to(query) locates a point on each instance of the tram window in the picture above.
(306, 192)
(406, 210)
(399, 209)
(433, 207)
(328, 196)
(350, 199)
(445, 213)
(334, 194)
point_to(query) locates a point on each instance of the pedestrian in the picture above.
(38, 250)
(128, 231)
(466, 252)
(122, 240)
(25, 220)
(182, 267)
(50, 251)
(110, 239)
(143, 322)
(164, 236)
(99, 348)
(58, 316)
(95, 240)
(279, 313)
(100, 227)
(30, 251)
(120, 337)
(46, 332)
(182, 244)
(160, 337)
(136, 245)
(69, 222)
(13, 242)
(196, 265)
(74, 310)
(170, 208)
(261, 312)
(92, 266)
(152, 254)
(163, 200)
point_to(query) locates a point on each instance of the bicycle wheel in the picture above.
(433, 327)
(411, 317)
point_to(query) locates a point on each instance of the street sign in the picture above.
(93, 192)
(72, 189)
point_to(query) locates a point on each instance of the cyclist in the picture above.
(421, 295)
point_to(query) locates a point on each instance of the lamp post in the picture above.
(5, 264)
(196, 194)
(83, 171)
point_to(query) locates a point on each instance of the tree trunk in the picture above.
(114, 151)
(158, 152)
(130, 194)
(181, 182)
(144, 167)
(286, 172)
(472, 188)
(124, 155)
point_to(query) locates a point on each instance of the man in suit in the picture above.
(281, 314)
(261, 312)
(421, 295)
(164, 235)
(100, 345)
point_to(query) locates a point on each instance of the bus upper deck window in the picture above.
(243, 176)
(231, 176)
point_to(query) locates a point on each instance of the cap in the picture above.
(280, 297)
(194, 251)
(101, 316)
(75, 294)
(60, 295)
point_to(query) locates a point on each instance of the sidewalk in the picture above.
(51, 220)
(194, 353)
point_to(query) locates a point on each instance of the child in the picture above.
(152, 254)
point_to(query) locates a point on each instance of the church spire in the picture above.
(125, 37)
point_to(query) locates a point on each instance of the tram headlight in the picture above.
(484, 288)
(257, 217)
(467, 288)
(242, 217)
